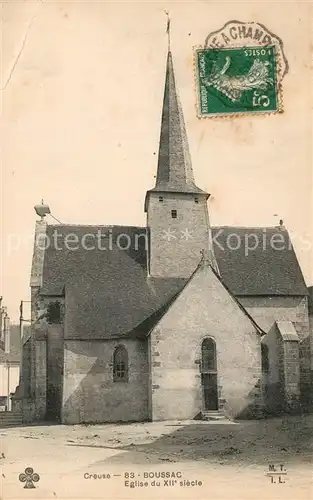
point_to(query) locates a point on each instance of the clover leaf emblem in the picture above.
(29, 477)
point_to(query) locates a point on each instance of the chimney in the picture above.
(6, 332)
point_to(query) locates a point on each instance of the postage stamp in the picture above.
(239, 70)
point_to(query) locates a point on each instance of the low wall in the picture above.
(10, 419)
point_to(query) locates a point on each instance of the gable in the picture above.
(206, 305)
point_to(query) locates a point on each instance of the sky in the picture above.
(82, 88)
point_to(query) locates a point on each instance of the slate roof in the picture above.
(270, 269)
(62, 261)
(262, 271)
(108, 293)
(105, 288)
(116, 306)
(174, 163)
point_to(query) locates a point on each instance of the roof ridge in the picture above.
(95, 225)
(281, 228)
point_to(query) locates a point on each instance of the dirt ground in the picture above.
(204, 460)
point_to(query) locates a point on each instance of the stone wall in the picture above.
(26, 369)
(311, 339)
(267, 310)
(204, 308)
(41, 379)
(177, 255)
(291, 375)
(55, 355)
(274, 395)
(89, 392)
(44, 361)
(311, 347)
(31, 400)
(282, 382)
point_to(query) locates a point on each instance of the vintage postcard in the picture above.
(156, 336)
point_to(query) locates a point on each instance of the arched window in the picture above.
(120, 364)
(208, 355)
(265, 360)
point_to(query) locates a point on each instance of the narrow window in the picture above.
(174, 214)
(208, 355)
(196, 200)
(160, 198)
(265, 359)
(120, 365)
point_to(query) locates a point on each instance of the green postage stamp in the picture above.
(239, 70)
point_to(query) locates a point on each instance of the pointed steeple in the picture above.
(174, 163)
(175, 206)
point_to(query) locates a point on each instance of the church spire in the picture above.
(175, 206)
(168, 31)
(174, 172)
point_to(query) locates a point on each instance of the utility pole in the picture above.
(22, 321)
(8, 405)
(21, 324)
(7, 342)
(1, 321)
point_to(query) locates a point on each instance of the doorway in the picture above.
(209, 375)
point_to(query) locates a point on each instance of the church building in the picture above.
(175, 320)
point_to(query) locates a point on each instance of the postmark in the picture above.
(239, 70)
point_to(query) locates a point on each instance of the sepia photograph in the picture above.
(156, 310)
